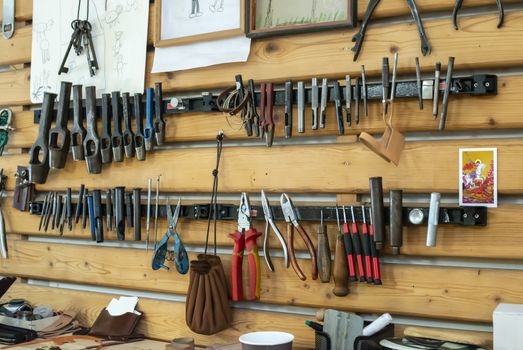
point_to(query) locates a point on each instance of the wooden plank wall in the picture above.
(457, 291)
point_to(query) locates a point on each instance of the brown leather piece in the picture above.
(115, 327)
(207, 309)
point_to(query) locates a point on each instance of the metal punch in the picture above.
(78, 131)
(105, 140)
(59, 137)
(323, 103)
(148, 131)
(116, 136)
(128, 135)
(139, 142)
(92, 142)
(315, 96)
(39, 152)
(159, 124)
(301, 107)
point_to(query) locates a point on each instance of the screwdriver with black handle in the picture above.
(348, 248)
(365, 238)
(356, 241)
(340, 273)
(324, 253)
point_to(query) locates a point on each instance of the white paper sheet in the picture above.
(202, 54)
(122, 305)
(119, 38)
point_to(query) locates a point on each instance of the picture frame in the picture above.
(201, 12)
(285, 22)
(478, 177)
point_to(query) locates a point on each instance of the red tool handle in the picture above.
(366, 251)
(292, 256)
(357, 250)
(254, 263)
(350, 252)
(269, 92)
(236, 265)
(263, 104)
(375, 257)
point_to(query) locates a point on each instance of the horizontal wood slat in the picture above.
(162, 319)
(19, 47)
(441, 292)
(338, 168)
(476, 45)
(501, 236)
(490, 112)
(14, 87)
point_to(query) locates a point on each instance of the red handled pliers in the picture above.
(291, 216)
(245, 238)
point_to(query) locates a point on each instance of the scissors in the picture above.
(178, 254)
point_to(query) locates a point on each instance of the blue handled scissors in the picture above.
(178, 254)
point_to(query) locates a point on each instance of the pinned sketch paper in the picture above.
(203, 54)
(119, 38)
(478, 177)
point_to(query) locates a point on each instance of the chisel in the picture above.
(357, 92)
(340, 274)
(419, 85)
(446, 94)
(79, 204)
(315, 95)
(348, 100)
(364, 91)
(324, 252)
(339, 112)
(435, 101)
(324, 100)
(301, 107)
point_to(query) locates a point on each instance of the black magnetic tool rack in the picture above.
(474, 85)
(466, 216)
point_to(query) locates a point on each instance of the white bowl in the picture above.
(266, 340)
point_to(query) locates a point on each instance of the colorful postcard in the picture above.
(478, 184)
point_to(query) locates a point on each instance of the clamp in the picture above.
(245, 238)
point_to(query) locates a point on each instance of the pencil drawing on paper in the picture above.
(281, 13)
(195, 9)
(42, 29)
(216, 6)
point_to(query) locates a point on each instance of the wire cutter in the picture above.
(269, 223)
(245, 238)
(178, 254)
(291, 216)
(459, 3)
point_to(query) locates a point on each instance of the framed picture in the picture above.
(478, 174)
(188, 21)
(281, 17)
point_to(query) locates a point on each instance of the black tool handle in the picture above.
(365, 242)
(288, 108)
(378, 210)
(349, 252)
(137, 214)
(109, 210)
(356, 243)
(339, 110)
(138, 113)
(69, 206)
(376, 268)
(129, 208)
(97, 210)
(85, 212)
(62, 115)
(79, 205)
(106, 116)
(385, 78)
(396, 220)
(119, 201)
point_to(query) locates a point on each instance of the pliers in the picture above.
(269, 223)
(266, 111)
(457, 7)
(245, 238)
(178, 254)
(291, 216)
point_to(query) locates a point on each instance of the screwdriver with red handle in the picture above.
(374, 253)
(356, 241)
(366, 247)
(348, 247)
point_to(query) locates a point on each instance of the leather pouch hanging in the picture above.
(207, 309)
(390, 145)
(121, 328)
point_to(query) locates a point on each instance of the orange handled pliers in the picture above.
(245, 238)
(291, 216)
